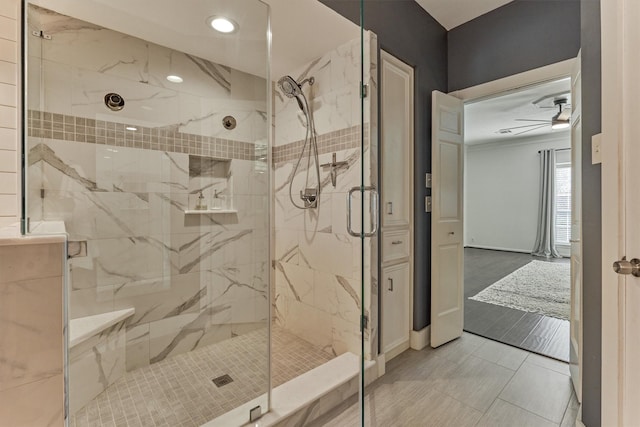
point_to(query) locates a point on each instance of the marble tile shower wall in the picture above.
(318, 264)
(192, 279)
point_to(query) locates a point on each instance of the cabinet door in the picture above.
(396, 140)
(395, 309)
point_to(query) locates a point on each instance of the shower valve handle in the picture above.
(334, 165)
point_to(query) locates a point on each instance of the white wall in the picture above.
(9, 47)
(502, 191)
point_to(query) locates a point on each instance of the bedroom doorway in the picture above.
(448, 206)
(517, 201)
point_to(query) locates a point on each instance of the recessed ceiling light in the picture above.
(175, 79)
(222, 24)
(133, 128)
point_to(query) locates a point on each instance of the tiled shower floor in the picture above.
(179, 391)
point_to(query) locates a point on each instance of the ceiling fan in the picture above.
(562, 120)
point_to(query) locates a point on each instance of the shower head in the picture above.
(289, 86)
(293, 89)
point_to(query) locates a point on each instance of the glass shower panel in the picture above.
(148, 142)
(369, 217)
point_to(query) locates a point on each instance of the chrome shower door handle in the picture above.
(374, 211)
(349, 229)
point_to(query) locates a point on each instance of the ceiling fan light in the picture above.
(556, 122)
(560, 124)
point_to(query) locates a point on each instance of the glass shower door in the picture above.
(368, 211)
(148, 140)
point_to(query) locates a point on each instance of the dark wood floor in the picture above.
(530, 331)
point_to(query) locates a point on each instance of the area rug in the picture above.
(538, 287)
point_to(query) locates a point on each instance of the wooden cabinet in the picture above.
(396, 142)
(395, 246)
(396, 207)
(396, 323)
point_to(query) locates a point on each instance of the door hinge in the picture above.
(255, 413)
(428, 204)
(41, 34)
(364, 323)
(364, 90)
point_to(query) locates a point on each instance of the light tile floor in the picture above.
(178, 391)
(472, 381)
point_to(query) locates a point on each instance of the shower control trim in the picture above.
(334, 165)
(310, 197)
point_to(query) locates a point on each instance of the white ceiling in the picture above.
(451, 13)
(302, 30)
(485, 118)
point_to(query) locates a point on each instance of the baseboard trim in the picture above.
(381, 363)
(495, 248)
(579, 422)
(420, 339)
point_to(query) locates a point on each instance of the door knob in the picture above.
(627, 267)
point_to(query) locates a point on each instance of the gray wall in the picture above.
(591, 214)
(517, 37)
(483, 50)
(405, 30)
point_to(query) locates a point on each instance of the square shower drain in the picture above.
(222, 380)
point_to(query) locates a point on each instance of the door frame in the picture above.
(516, 82)
(557, 71)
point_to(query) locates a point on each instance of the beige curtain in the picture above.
(545, 245)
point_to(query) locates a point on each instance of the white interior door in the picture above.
(575, 350)
(629, 233)
(447, 250)
(620, 389)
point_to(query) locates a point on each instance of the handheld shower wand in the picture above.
(293, 89)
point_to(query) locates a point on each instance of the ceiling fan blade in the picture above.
(531, 120)
(529, 130)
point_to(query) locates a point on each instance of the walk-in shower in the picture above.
(310, 195)
(198, 282)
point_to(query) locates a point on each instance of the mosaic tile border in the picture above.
(42, 124)
(329, 142)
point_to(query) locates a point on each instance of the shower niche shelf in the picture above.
(209, 211)
(210, 184)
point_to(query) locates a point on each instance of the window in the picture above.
(563, 203)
